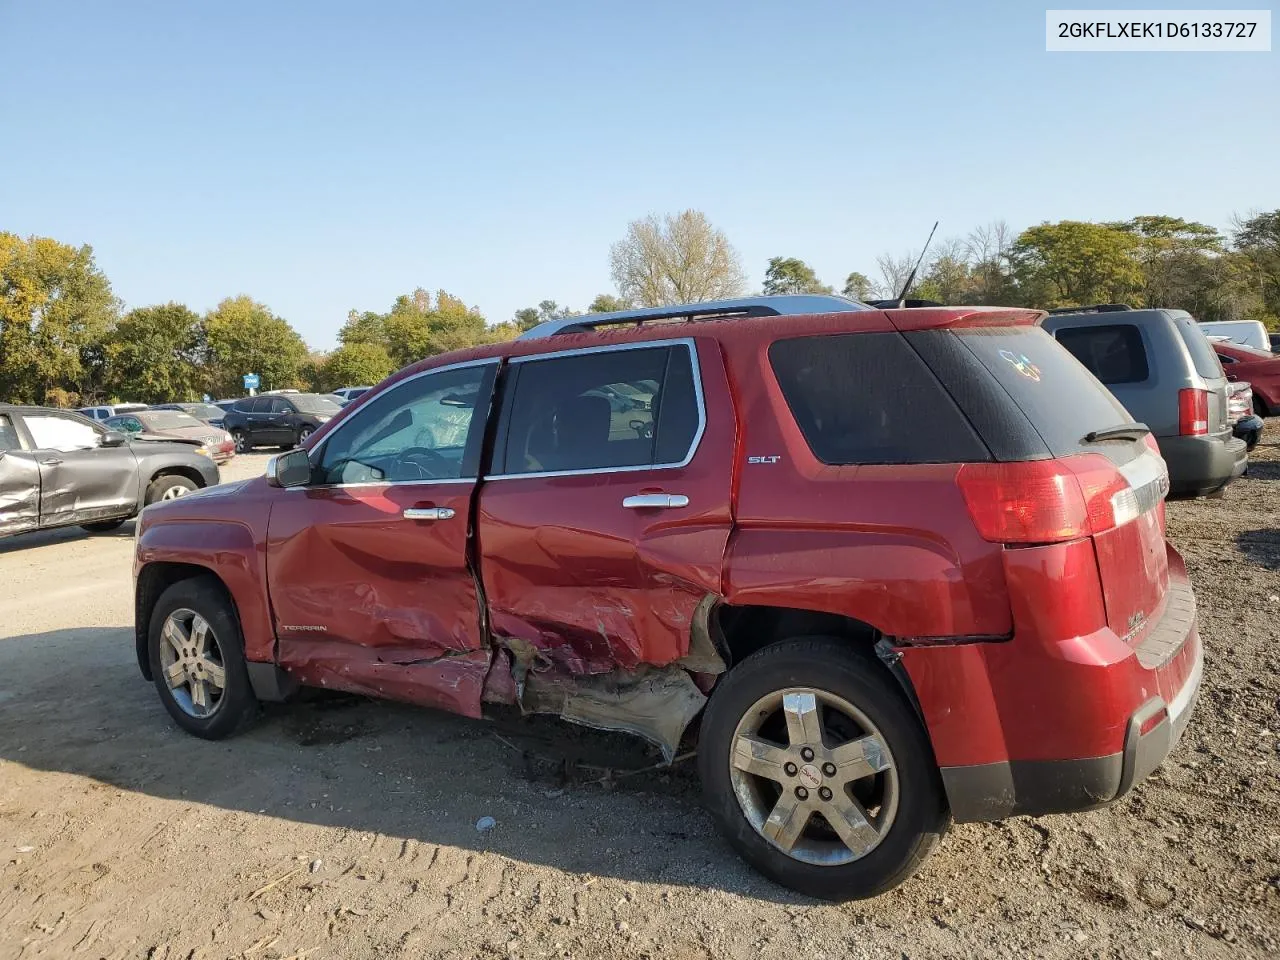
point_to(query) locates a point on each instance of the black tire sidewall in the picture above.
(208, 599)
(828, 664)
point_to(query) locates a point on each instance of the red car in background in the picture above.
(1260, 367)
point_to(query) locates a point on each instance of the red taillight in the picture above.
(1193, 412)
(1046, 501)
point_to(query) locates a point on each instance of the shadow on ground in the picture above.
(1261, 546)
(575, 799)
(43, 538)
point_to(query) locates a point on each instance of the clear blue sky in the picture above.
(321, 156)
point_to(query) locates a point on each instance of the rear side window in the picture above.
(868, 398)
(600, 410)
(1202, 355)
(1057, 394)
(1113, 353)
(8, 435)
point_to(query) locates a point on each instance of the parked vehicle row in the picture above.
(1159, 364)
(58, 468)
(722, 532)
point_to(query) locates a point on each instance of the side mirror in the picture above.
(114, 438)
(292, 469)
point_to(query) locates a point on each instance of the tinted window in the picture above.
(601, 409)
(277, 405)
(314, 403)
(8, 434)
(1202, 355)
(247, 405)
(425, 429)
(1062, 400)
(1113, 354)
(868, 398)
(60, 433)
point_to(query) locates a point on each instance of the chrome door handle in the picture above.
(51, 462)
(427, 513)
(655, 501)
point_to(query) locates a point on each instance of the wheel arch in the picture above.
(740, 630)
(153, 580)
(177, 470)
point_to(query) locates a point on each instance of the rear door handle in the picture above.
(655, 501)
(427, 513)
(51, 462)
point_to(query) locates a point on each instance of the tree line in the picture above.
(66, 340)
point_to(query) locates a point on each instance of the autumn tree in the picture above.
(56, 309)
(156, 355)
(244, 336)
(678, 258)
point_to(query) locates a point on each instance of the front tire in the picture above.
(304, 433)
(241, 441)
(196, 653)
(818, 771)
(170, 486)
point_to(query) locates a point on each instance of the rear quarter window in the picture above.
(868, 398)
(1058, 395)
(1203, 357)
(1113, 353)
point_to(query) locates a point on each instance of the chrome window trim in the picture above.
(319, 447)
(696, 370)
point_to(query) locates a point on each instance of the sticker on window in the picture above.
(1022, 363)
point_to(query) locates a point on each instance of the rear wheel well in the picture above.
(743, 630)
(153, 580)
(189, 472)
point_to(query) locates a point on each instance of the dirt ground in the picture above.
(341, 828)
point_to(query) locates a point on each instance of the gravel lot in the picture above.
(339, 828)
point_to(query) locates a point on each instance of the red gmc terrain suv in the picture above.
(890, 568)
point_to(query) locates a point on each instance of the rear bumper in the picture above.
(1065, 715)
(993, 791)
(1202, 465)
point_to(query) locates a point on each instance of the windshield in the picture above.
(168, 420)
(205, 411)
(313, 403)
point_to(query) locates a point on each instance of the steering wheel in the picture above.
(424, 459)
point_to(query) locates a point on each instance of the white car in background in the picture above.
(107, 410)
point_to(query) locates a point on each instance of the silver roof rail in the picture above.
(747, 306)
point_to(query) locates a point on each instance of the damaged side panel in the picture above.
(19, 492)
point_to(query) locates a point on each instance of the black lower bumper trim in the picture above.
(993, 791)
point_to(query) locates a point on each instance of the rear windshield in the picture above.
(1113, 353)
(312, 403)
(168, 420)
(1202, 355)
(868, 398)
(1062, 399)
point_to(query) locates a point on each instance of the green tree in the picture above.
(1257, 239)
(1175, 256)
(1072, 262)
(857, 286)
(608, 303)
(679, 258)
(546, 310)
(157, 354)
(244, 336)
(791, 275)
(56, 308)
(363, 327)
(356, 364)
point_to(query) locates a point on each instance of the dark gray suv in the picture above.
(1160, 366)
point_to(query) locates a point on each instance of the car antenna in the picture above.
(911, 277)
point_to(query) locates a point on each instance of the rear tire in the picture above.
(170, 486)
(103, 526)
(194, 641)
(882, 807)
(1260, 406)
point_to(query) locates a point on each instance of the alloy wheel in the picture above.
(192, 663)
(174, 491)
(814, 776)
